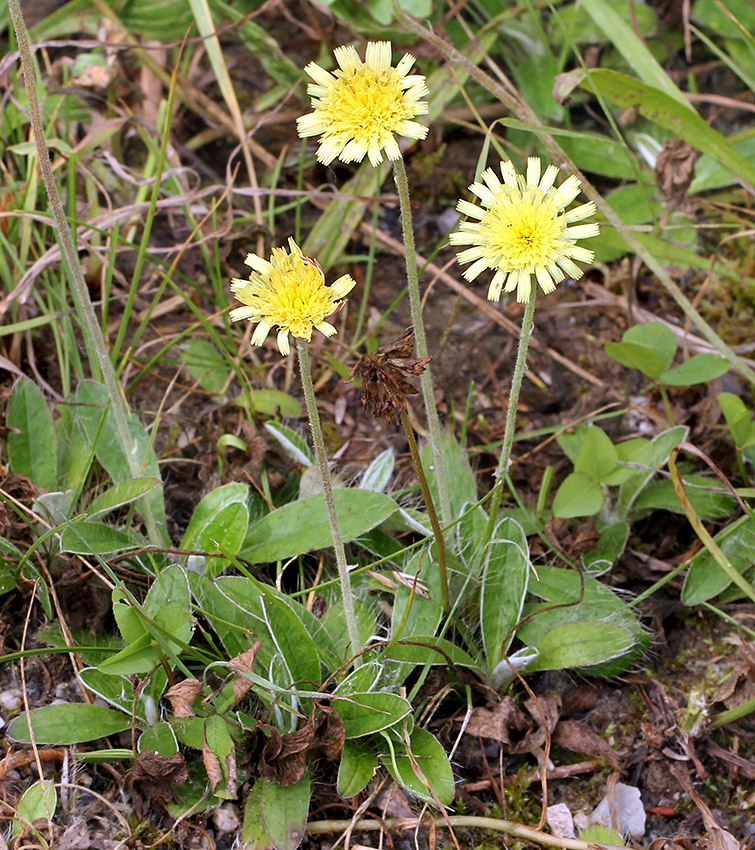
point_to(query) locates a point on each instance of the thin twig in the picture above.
(467, 821)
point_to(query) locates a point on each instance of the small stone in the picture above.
(630, 813)
(226, 818)
(560, 821)
(11, 700)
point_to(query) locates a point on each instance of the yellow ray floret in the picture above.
(522, 229)
(287, 292)
(361, 105)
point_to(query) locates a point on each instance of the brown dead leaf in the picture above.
(182, 696)
(152, 777)
(681, 842)
(244, 661)
(578, 738)
(499, 723)
(546, 707)
(674, 170)
(215, 770)
(392, 801)
(716, 838)
(284, 756)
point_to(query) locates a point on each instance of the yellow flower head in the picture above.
(522, 228)
(289, 292)
(359, 107)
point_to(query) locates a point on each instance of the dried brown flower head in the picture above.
(384, 373)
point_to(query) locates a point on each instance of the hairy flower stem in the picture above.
(305, 368)
(440, 542)
(415, 303)
(97, 352)
(508, 434)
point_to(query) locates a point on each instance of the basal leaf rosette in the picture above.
(288, 292)
(361, 107)
(522, 228)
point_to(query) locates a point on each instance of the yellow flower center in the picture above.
(297, 298)
(523, 231)
(366, 105)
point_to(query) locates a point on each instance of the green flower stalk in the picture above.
(289, 292)
(358, 110)
(522, 230)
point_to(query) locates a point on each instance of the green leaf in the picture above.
(708, 503)
(92, 404)
(161, 738)
(334, 623)
(710, 175)
(9, 569)
(284, 811)
(598, 834)
(302, 526)
(723, 21)
(73, 450)
(433, 767)
(205, 364)
(580, 644)
(69, 723)
(425, 612)
(609, 547)
(737, 418)
(679, 119)
(459, 474)
(269, 402)
(219, 523)
(367, 713)
(635, 356)
(138, 657)
(577, 496)
(619, 29)
(295, 446)
(253, 833)
(32, 448)
(705, 578)
(242, 611)
(378, 474)
(39, 801)
(217, 738)
(653, 456)
(649, 348)
(600, 155)
(698, 369)
(504, 582)
(169, 588)
(119, 495)
(119, 692)
(165, 614)
(358, 765)
(259, 41)
(597, 457)
(599, 604)
(412, 652)
(87, 537)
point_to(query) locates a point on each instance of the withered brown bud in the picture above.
(384, 373)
